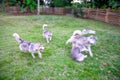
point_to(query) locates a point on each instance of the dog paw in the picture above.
(91, 55)
(85, 56)
(40, 57)
(33, 57)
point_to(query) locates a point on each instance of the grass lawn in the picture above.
(56, 63)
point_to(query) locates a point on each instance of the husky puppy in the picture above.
(74, 38)
(84, 31)
(81, 33)
(87, 31)
(29, 46)
(76, 54)
(47, 34)
(87, 42)
(76, 43)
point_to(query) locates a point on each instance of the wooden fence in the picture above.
(56, 11)
(105, 15)
(13, 9)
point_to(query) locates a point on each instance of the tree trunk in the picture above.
(38, 12)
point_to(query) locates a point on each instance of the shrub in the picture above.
(28, 5)
(61, 3)
(12, 2)
(78, 11)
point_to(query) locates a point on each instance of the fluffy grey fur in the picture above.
(77, 55)
(84, 41)
(47, 34)
(87, 31)
(29, 46)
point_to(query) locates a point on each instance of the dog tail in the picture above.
(17, 38)
(44, 25)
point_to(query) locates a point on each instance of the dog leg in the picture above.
(47, 40)
(22, 49)
(69, 40)
(85, 56)
(84, 49)
(90, 52)
(32, 55)
(39, 54)
(50, 38)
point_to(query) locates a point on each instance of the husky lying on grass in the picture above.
(29, 46)
(77, 55)
(76, 52)
(47, 34)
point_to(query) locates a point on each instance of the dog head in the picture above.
(39, 47)
(44, 24)
(77, 32)
(92, 39)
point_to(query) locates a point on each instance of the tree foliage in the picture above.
(61, 3)
(113, 4)
(28, 5)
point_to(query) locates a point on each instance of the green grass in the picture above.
(56, 63)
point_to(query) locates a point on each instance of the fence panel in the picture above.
(105, 15)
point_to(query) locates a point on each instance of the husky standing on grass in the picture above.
(47, 34)
(29, 46)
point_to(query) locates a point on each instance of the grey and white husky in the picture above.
(88, 31)
(47, 34)
(29, 46)
(86, 42)
(84, 31)
(76, 54)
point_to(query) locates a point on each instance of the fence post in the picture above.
(119, 20)
(96, 16)
(107, 15)
(88, 12)
(38, 7)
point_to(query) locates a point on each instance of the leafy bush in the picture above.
(78, 11)
(113, 4)
(12, 2)
(61, 3)
(28, 5)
